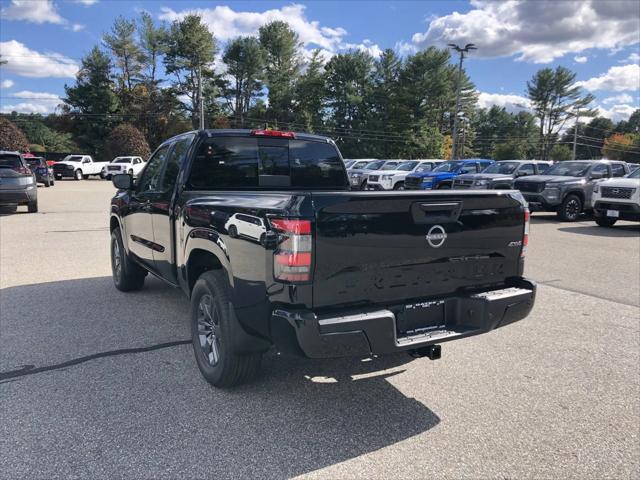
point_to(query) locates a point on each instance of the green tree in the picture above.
(282, 68)
(622, 146)
(427, 142)
(590, 137)
(92, 101)
(555, 98)
(510, 150)
(50, 140)
(244, 59)
(127, 140)
(152, 45)
(11, 137)
(126, 53)
(190, 53)
(310, 94)
(629, 126)
(348, 80)
(560, 153)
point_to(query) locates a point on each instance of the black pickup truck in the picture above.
(262, 232)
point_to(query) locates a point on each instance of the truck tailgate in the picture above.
(391, 247)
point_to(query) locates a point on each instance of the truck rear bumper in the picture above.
(375, 332)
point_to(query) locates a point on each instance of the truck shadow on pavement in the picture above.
(117, 378)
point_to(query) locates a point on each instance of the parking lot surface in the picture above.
(98, 383)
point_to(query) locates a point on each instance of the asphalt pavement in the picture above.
(97, 383)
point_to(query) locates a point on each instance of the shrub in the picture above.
(11, 137)
(126, 140)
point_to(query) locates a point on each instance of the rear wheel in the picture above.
(32, 207)
(399, 186)
(444, 186)
(606, 221)
(233, 231)
(127, 276)
(570, 209)
(47, 183)
(211, 325)
(77, 175)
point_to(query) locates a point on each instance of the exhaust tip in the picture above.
(433, 352)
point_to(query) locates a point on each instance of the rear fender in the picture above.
(210, 241)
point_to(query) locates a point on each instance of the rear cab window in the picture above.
(256, 163)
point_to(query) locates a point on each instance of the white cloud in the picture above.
(404, 48)
(366, 46)
(632, 58)
(582, 59)
(617, 112)
(87, 2)
(539, 31)
(76, 27)
(616, 79)
(30, 63)
(7, 83)
(43, 11)
(225, 23)
(512, 103)
(622, 98)
(37, 102)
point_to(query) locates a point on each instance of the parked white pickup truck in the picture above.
(131, 165)
(617, 199)
(77, 167)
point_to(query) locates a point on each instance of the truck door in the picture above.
(137, 220)
(162, 215)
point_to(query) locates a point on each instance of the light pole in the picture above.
(461, 50)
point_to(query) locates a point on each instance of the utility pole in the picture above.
(200, 98)
(468, 47)
(575, 135)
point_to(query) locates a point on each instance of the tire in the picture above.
(58, 177)
(127, 276)
(77, 175)
(570, 209)
(263, 237)
(363, 185)
(211, 325)
(233, 231)
(47, 183)
(443, 186)
(53, 182)
(32, 207)
(108, 177)
(399, 186)
(606, 221)
(85, 177)
(130, 172)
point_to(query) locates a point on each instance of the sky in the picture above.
(44, 40)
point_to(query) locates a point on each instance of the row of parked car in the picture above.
(81, 167)
(609, 189)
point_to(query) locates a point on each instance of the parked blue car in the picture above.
(442, 176)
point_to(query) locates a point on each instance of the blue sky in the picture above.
(43, 40)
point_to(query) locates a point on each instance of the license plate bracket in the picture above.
(421, 317)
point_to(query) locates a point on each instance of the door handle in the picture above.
(436, 212)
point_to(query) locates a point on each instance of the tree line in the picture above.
(148, 79)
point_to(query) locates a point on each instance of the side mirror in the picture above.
(123, 181)
(597, 175)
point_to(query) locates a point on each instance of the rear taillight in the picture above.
(525, 237)
(272, 133)
(22, 170)
(292, 258)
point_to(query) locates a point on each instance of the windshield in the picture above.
(10, 161)
(390, 166)
(348, 164)
(406, 166)
(425, 167)
(502, 167)
(635, 173)
(448, 167)
(73, 159)
(358, 165)
(122, 160)
(374, 165)
(569, 169)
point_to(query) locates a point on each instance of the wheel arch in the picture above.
(202, 254)
(577, 193)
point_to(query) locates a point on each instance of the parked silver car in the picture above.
(17, 182)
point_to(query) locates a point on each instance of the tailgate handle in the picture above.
(441, 212)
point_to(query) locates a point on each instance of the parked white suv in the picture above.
(131, 165)
(394, 179)
(247, 226)
(617, 199)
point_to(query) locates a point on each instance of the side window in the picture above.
(602, 168)
(527, 169)
(151, 173)
(176, 157)
(617, 170)
(315, 164)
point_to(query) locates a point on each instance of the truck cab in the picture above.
(442, 176)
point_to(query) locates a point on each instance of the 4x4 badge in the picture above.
(436, 236)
